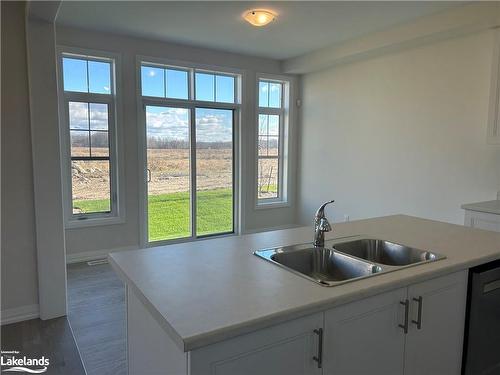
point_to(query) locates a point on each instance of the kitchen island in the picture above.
(212, 306)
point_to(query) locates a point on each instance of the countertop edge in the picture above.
(199, 341)
(482, 207)
(196, 342)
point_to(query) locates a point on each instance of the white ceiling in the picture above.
(301, 26)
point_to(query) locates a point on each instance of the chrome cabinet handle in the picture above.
(149, 175)
(319, 357)
(418, 322)
(406, 304)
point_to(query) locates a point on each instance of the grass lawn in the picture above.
(169, 213)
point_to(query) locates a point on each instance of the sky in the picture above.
(212, 125)
(79, 114)
(87, 76)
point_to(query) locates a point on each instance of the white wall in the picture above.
(18, 255)
(89, 240)
(401, 133)
(49, 223)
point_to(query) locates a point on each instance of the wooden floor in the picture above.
(96, 304)
(49, 338)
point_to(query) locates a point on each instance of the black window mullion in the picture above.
(91, 158)
(193, 196)
(88, 119)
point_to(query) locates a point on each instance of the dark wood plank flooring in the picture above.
(50, 338)
(96, 312)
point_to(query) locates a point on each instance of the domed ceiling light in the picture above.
(259, 17)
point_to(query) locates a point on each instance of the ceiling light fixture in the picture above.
(259, 17)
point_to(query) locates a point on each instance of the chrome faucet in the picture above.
(321, 225)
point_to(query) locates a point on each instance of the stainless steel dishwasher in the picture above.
(482, 330)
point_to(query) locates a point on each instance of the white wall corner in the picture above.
(43, 10)
(49, 222)
(19, 314)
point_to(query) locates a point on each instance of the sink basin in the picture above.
(345, 260)
(322, 265)
(385, 252)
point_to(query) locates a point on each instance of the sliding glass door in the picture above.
(190, 189)
(168, 172)
(214, 171)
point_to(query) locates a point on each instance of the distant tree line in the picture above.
(264, 143)
(81, 139)
(167, 143)
(100, 139)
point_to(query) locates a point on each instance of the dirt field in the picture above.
(170, 173)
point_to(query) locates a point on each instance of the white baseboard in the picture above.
(85, 256)
(18, 314)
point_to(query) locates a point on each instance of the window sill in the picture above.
(94, 222)
(271, 204)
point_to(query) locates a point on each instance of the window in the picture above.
(215, 87)
(189, 151)
(88, 101)
(270, 134)
(164, 82)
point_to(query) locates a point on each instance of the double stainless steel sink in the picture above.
(348, 259)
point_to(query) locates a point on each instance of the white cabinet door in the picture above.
(364, 337)
(287, 348)
(436, 348)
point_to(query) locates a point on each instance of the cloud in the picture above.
(78, 116)
(212, 125)
(170, 123)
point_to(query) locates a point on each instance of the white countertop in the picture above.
(208, 291)
(491, 207)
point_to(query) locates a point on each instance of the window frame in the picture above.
(282, 200)
(191, 103)
(113, 101)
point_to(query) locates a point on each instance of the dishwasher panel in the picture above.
(482, 330)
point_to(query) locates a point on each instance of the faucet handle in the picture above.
(321, 209)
